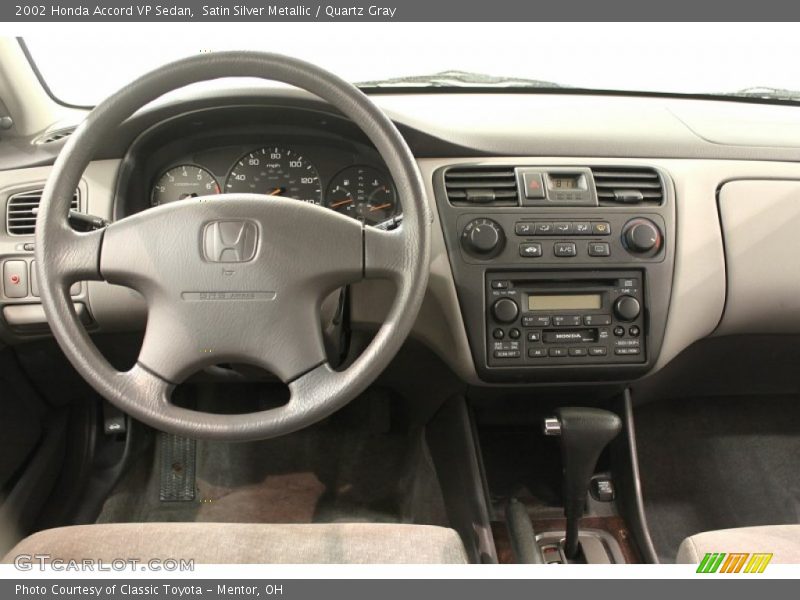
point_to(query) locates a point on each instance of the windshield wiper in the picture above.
(459, 79)
(767, 93)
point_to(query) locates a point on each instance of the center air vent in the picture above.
(495, 186)
(627, 185)
(20, 218)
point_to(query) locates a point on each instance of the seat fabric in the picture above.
(782, 541)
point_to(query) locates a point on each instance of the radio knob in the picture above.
(483, 238)
(641, 236)
(505, 310)
(627, 308)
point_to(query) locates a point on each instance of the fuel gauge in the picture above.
(363, 193)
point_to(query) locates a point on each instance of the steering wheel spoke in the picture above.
(77, 257)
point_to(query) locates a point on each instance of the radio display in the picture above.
(565, 302)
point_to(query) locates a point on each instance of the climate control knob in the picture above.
(505, 310)
(641, 236)
(483, 238)
(627, 308)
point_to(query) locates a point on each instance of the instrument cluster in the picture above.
(359, 189)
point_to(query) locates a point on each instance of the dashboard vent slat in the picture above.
(495, 186)
(628, 185)
(20, 219)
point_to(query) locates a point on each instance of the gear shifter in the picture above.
(583, 432)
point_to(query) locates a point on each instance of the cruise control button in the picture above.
(564, 249)
(537, 352)
(599, 249)
(533, 250)
(15, 278)
(597, 320)
(577, 351)
(543, 228)
(581, 228)
(601, 228)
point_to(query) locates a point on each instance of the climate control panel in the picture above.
(533, 240)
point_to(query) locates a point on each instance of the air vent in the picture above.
(55, 136)
(627, 185)
(495, 186)
(20, 219)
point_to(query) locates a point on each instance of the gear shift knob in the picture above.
(583, 433)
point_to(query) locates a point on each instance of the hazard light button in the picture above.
(534, 187)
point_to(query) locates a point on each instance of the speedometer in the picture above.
(275, 171)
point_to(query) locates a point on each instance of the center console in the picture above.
(562, 273)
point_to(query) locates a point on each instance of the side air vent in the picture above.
(54, 136)
(495, 186)
(20, 217)
(628, 185)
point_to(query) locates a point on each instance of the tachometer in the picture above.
(364, 193)
(183, 181)
(275, 171)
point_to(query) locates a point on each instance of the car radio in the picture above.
(566, 318)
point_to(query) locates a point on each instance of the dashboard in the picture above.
(702, 259)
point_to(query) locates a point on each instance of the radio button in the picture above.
(533, 250)
(514, 333)
(537, 352)
(597, 320)
(499, 285)
(565, 249)
(535, 321)
(543, 228)
(598, 351)
(599, 249)
(507, 354)
(498, 334)
(577, 351)
(627, 351)
(557, 352)
(582, 228)
(534, 336)
(602, 228)
(568, 321)
(634, 331)
(619, 331)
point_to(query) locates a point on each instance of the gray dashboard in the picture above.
(716, 260)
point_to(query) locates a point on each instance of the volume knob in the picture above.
(483, 238)
(505, 310)
(641, 236)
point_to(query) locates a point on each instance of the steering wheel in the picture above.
(234, 277)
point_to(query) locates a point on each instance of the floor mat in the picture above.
(716, 463)
(315, 475)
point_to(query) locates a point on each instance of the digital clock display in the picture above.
(564, 182)
(565, 302)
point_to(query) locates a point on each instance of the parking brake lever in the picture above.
(583, 434)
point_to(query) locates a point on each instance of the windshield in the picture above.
(723, 59)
